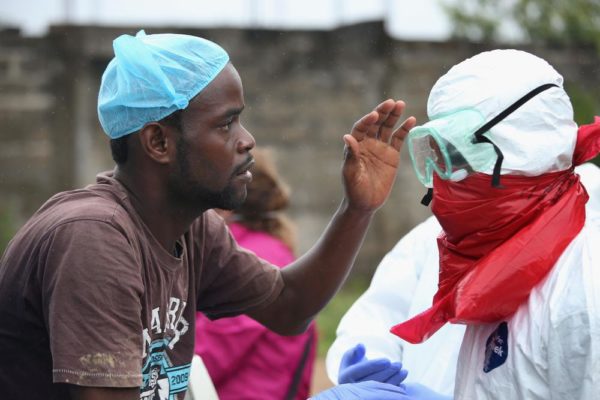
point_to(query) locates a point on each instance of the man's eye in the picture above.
(227, 124)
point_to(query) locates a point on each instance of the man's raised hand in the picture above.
(372, 155)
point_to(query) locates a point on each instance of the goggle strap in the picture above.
(497, 167)
(479, 138)
(499, 160)
(428, 197)
(478, 134)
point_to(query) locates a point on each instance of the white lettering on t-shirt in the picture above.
(174, 324)
(155, 324)
(180, 327)
(172, 313)
(147, 341)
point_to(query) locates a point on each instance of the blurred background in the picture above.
(310, 69)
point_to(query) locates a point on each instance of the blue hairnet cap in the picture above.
(151, 76)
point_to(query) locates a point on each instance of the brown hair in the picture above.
(267, 197)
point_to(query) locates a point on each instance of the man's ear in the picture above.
(157, 142)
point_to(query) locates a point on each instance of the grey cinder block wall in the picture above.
(304, 90)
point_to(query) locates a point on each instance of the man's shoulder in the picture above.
(104, 200)
(81, 206)
(73, 218)
(84, 204)
(208, 223)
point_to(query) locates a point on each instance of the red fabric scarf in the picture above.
(498, 244)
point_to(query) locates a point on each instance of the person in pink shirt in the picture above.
(244, 359)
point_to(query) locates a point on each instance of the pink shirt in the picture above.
(245, 359)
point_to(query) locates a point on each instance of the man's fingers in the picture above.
(400, 134)
(362, 126)
(352, 149)
(387, 127)
(383, 110)
(379, 124)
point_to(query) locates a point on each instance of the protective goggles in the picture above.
(444, 146)
(454, 146)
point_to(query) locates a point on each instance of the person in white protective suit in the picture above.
(403, 286)
(517, 250)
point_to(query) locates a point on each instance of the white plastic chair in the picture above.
(200, 386)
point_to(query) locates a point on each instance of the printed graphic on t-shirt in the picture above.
(161, 380)
(496, 348)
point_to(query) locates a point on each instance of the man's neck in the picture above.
(166, 221)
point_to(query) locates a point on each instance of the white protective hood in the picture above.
(538, 137)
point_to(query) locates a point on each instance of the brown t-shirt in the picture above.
(89, 297)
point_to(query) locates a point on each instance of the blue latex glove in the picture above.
(367, 390)
(416, 391)
(355, 367)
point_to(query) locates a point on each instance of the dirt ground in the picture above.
(320, 380)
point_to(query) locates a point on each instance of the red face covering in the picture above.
(500, 243)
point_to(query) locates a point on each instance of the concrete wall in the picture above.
(303, 90)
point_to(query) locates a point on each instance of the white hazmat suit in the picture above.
(551, 344)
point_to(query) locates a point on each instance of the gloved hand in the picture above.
(355, 367)
(416, 391)
(367, 390)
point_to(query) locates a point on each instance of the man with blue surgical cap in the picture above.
(99, 289)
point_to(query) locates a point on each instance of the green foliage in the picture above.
(549, 22)
(572, 22)
(585, 105)
(476, 19)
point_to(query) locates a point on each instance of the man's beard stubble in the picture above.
(185, 191)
